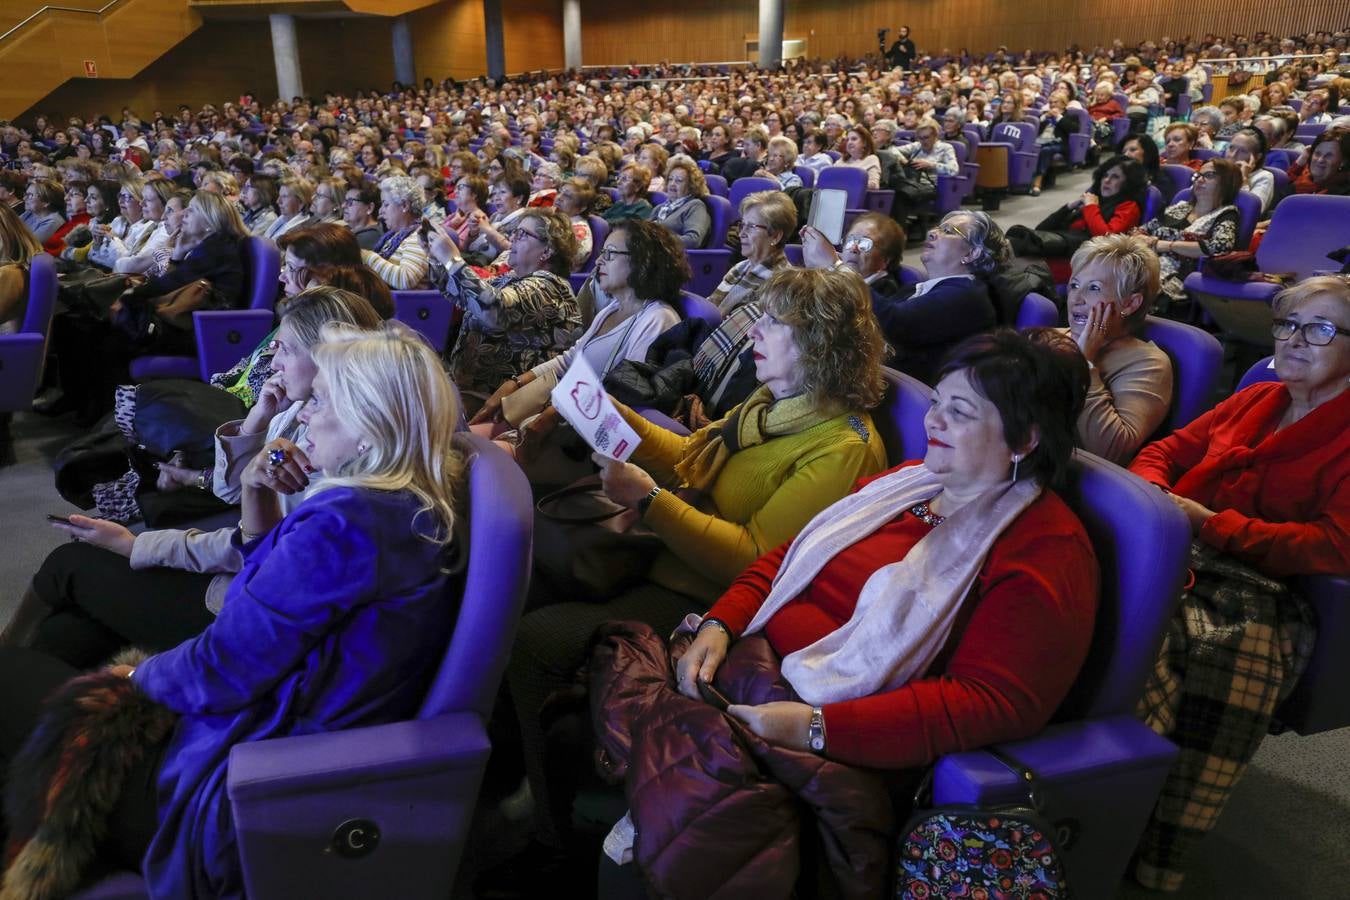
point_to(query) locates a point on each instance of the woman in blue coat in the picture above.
(337, 620)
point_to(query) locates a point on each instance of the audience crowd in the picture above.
(563, 218)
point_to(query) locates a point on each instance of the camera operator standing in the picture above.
(902, 53)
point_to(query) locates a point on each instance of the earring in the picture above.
(1017, 458)
(361, 448)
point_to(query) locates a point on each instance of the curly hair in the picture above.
(656, 259)
(404, 190)
(698, 185)
(830, 314)
(558, 234)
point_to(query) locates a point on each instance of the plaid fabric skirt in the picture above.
(1234, 649)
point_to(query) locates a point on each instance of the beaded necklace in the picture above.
(926, 515)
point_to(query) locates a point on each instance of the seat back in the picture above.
(845, 178)
(1197, 358)
(500, 513)
(42, 291)
(426, 312)
(1279, 159)
(1303, 230)
(717, 185)
(1174, 179)
(708, 268)
(794, 254)
(721, 214)
(1261, 370)
(807, 175)
(1249, 213)
(1037, 311)
(1021, 135)
(1142, 541)
(899, 417)
(1153, 204)
(577, 280)
(262, 272)
(742, 187)
(599, 231)
(656, 198)
(974, 134)
(22, 355)
(692, 306)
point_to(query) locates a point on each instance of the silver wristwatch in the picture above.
(815, 732)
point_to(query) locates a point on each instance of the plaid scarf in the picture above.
(724, 345)
(743, 280)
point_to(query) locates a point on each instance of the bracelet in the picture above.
(132, 672)
(203, 479)
(717, 623)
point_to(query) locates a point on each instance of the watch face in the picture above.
(817, 743)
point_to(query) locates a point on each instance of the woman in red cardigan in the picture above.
(1265, 480)
(1113, 205)
(940, 607)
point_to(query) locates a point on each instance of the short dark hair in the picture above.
(1033, 386)
(365, 193)
(519, 187)
(656, 259)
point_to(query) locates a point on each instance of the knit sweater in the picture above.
(761, 498)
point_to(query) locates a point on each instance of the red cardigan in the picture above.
(1282, 499)
(1125, 216)
(1015, 649)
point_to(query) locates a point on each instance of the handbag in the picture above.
(1003, 851)
(586, 546)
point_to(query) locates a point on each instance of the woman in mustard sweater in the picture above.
(724, 495)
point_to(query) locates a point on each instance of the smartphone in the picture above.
(62, 519)
(712, 695)
(425, 230)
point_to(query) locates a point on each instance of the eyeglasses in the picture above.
(949, 230)
(1204, 176)
(745, 225)
(524, 233)
(609, 253)
(1318, 334)
(859, 243)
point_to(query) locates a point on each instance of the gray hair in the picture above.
(954, 113)
(1212, 113)
(886, 125)
(402, 189)
(987, 241)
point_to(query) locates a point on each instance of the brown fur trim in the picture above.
(65, 782)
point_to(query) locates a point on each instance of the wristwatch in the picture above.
(646, 502)
(815, 731)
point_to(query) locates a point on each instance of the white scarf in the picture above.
(906, 610)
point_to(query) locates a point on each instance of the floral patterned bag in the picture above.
(997, 852)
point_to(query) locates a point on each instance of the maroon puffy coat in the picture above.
(718, 809)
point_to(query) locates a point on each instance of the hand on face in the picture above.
(289, 476)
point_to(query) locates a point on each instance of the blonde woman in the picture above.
(17, 249)
(337, 619)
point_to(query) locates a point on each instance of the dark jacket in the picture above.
(921, 329)
(718, 809)
(217, 259)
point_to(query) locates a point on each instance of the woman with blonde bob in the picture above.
(1114, 284)
(337, 619)
(729, 492)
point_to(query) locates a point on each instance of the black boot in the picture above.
(6, 441)
(22, 627)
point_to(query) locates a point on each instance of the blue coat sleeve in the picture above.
(323, 564)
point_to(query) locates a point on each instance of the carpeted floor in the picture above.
(1285, 833)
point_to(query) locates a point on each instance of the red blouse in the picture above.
(1017, 644)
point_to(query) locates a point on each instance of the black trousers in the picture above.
(27, 677)
(100, 605)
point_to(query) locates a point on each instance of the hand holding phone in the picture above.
(712, 696)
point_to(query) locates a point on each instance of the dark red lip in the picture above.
(934, 442)
(759, 356)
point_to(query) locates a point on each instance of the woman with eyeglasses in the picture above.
(358, 213)
(519, 319)
(925, 320)
(637, 280)
(1191, 230)
(1264, 479)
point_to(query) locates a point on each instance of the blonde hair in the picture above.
(778, 210)
(698, 185)
(1134, 268)
(1296, 295)
(219, 213)
(389, 387)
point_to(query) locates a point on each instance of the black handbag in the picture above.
(586, 546)
(993, 851)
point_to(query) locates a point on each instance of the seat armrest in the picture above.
(656, 417)
(21, 358)
(376, 811)
(226, 336)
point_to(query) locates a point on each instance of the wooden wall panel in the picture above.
(616, 32)
(533, 34)
(342, 55)
(448, 40)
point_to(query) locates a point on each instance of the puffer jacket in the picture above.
(716, 808)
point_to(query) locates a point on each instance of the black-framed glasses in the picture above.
(609, 253)
(524, 233)
(1318, 334)
(1205, 176)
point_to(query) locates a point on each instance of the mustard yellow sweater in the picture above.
(762, 497)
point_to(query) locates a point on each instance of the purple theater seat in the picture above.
(1261, 370)
(1173, 180)
(845, 178)
(1020, 140)
(807, 175)
(1303, 230)
(599, 232)
(1120, 128)
(1153, 204)
(899, 417)
(416, 780)
(692, 306)
(722, 214)
(428, 313)
(910, 275)
(656, 417)
(705, 165)
(656, 198)
(22, 354)
(708, 266)
(1037, 311)
(794, 254)
(1080, 141)
(717, 185)
(226, 336)
(970, 171)
(1249, 213)
(1098, 765)
(1197, 357)
(750, 184)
